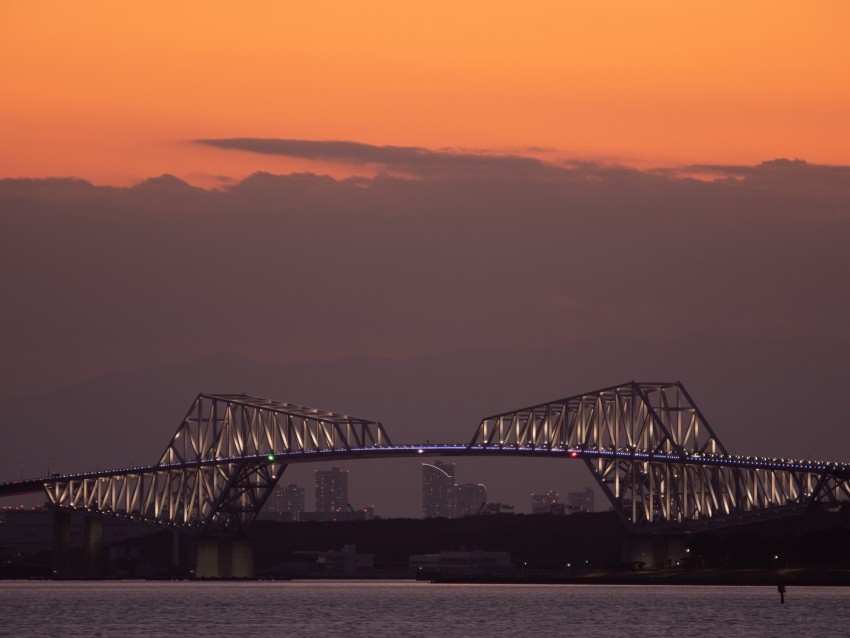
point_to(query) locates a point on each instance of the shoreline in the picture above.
(713, 577)
(699, 577)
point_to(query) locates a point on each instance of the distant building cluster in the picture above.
(581, 501)
(544, 503)
(442, 497)
(548, 503)
(331, 500)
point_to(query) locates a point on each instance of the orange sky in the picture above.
(114, 95)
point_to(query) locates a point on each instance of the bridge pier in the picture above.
(67, 561)
(224, 558)
(93, 547)
(61, 544)
(241, 558)
(175, 550)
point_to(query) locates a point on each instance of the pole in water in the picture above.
(781, 589)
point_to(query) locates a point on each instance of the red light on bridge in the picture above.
(573, 455)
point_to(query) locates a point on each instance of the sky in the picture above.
(116, 93)
(651, 188)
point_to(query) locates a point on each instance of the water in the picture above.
(407, 609)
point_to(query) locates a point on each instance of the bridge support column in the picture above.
(61, 544)
(241, 558)
(206, 558)
(175, 550)
(224, 558)
(93, 546)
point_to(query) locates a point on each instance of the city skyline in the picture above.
(439, 498)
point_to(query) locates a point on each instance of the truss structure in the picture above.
(647, 445)
(656, 458)
(220, 466)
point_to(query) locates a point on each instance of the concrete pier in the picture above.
(224, 558)
(241, 558)
(93, 547)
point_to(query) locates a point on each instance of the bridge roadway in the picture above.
(839, 471)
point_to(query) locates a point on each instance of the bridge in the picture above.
(647, 445)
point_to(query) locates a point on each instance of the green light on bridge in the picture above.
(270, 457)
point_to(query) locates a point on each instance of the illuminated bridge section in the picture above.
(657, 459)
(220, 466)
(646, 444)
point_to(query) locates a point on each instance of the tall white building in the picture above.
(438, 481)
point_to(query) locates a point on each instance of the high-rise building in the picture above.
(544, 503)
(581, 501)
(438, 481)
(332, 490)
(288, 502)
(468, 499)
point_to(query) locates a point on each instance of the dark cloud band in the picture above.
(411, 159)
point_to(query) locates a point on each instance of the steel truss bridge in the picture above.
(648, 446)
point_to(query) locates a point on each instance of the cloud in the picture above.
(408, 159)
(471, 289)
(303, 266)
(781, 173)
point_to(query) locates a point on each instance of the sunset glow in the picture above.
(116, 94)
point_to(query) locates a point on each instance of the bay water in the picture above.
(406, 608)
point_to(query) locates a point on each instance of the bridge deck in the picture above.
(837, 470)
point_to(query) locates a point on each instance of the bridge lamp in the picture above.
(270, 457)
(421, 451)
